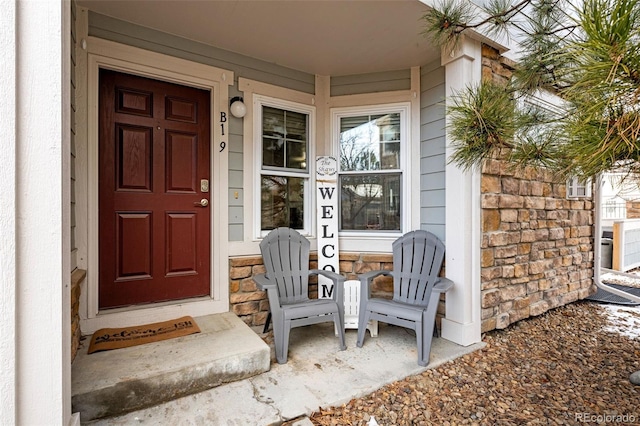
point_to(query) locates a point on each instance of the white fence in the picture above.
(626, 245)
(614, 209)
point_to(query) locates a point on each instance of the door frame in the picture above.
(128, 59)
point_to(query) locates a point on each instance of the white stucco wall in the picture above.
(34, 224)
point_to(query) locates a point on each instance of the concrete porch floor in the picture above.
(316, 375)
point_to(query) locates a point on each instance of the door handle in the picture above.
(202, 203)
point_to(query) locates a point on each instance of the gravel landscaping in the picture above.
(567, 366)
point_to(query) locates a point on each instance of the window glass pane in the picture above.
(273, 152)
(272, 122)
(296, 155)
(363, 142)
(296, 125)
(282, 202)
(390, 155)
(577, 188)
(370, 202)
(284, 138)
(358, 144)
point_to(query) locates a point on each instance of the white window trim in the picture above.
(258, 102)
(249, 246)
(574, 184)
(374, 239)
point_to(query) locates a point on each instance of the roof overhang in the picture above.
(319, 37)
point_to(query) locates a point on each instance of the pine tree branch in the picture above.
(511, 11)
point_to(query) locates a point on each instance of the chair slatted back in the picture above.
(286, 258)
(417, 259)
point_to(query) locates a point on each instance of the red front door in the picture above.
(154, 149)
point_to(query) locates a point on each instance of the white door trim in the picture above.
(119, 57)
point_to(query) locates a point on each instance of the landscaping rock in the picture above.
(559, 368)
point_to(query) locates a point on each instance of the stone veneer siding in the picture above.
(77, 277)
(633, 209)
(252, 305)
(537, 245)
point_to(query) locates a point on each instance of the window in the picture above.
(372, 147)
(284, 166)
(578, 189)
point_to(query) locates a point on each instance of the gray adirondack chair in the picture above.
(417, 259)
(286, 259)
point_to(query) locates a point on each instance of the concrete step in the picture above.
(111, 383)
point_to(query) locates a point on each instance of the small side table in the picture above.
(352, 306)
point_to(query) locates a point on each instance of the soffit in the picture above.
(318, 37)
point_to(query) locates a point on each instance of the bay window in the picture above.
(284, 166)
(372, 146)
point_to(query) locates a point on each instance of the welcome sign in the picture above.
(327, 219)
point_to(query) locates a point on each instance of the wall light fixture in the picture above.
(237, 107)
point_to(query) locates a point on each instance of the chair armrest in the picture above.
(443, 285)
(365, 281)
(338, 283)
(336, 278)
(368, 276)
(262, 282)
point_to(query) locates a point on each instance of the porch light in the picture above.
(237, 107)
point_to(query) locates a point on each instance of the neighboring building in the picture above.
(620, 198)
(123, 128)
(619, 213)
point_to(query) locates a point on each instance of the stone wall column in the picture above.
(462, 322)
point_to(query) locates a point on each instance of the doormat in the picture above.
(106, 339)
